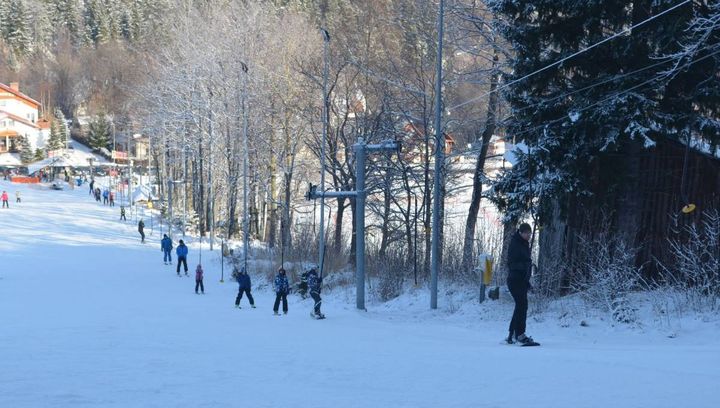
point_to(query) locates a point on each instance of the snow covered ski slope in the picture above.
(89, 317)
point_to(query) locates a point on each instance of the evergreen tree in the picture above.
(18, 29)
(127, 25)
(586, 119)
(62, 129)
(691, 105)
(91, 22)
(99, 132)
(66, 13)
(42, 31)
(26, 152)
(4, 13)
(54, 142)
(39, 154)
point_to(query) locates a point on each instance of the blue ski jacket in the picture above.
(166, 244)
(181, 250)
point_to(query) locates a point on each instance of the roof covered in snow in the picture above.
(10, 159)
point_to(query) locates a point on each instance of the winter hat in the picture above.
(281, 270)
(181, 241)
(525, 227)
(199, 268)
(164, 235)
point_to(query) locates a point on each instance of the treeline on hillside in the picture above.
(72, 53)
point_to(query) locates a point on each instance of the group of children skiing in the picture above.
(5, 199)
(310, 280)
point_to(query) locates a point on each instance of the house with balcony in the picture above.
(20, 116)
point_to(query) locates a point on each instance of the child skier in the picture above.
(122, 213)
(281, 291)
(315, 284)
(17, 197)
(4, 198)
(199, 279)
(244, 286)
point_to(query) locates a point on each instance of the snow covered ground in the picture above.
(91, 317)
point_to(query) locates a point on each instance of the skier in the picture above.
(181, 253)
(112, 199)
(518, 282)
(4, 198)
(166, 245)
(105, 196)
(244, 286)
(315, 284)
(92, 187)
(199, 279)
(97, 194)
(281, 291)
(122, 213)
(141, 228)
(302, 286)
(17, 197)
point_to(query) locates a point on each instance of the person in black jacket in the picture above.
(315, 285)
(518, 282)
(141, 230)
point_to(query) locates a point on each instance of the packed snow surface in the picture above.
(91, 317)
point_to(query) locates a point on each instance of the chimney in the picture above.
(15, 86)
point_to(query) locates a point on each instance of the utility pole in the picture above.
(439, 158)
(321, 249)
(210, 170)
(246, 221)
(361, 150)
(130, 180)
(185, 195)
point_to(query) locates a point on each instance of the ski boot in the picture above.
(525, 341)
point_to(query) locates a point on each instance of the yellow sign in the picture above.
(149, 205)
(487, 273)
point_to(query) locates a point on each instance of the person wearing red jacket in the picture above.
(4, 199)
